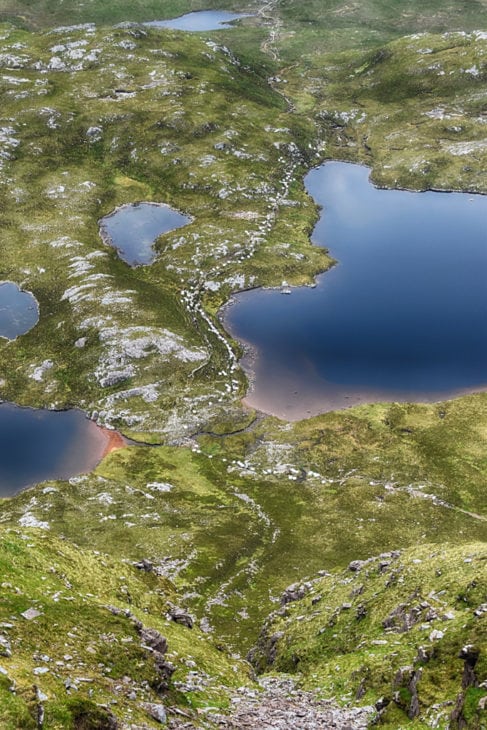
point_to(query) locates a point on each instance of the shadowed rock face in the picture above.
(470, 654)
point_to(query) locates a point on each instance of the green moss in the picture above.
(472, 711)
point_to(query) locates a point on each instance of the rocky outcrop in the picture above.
(470, 655)
(156, 711)
(408, 614)
(152, 639)
(180, 616)
(295, 592)
(406, 694)
(154, 643)
(5, 646)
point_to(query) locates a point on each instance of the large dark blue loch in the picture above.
(19, 311)
(201, 20)
(402, 316)
(133, 229)
(37, 444)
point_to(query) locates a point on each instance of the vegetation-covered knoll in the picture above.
(406, 631)
(89, 641)
(413, 109)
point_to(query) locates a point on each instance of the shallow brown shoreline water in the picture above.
(114, 441)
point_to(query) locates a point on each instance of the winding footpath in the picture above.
(268, 15)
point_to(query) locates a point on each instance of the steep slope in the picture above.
(406, 631)
(234, 519)
(88, 641)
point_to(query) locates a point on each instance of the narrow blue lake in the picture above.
(200, 20)
(401, 316)
(37, 444)
(19, 311)
(133, 230)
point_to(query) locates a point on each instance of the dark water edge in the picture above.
(19, 310)
(38, 444)
(401, 317)
(133, 229)
(199, 20)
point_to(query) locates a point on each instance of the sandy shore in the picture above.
(297, 406)
(114, 441)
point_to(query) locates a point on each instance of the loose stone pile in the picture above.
(282, 706)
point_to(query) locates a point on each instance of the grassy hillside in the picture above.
(234, 520)
(331, 25)
(413, 109)
(227, 506)
(406, 631)
(75, 645)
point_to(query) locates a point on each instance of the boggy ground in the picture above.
(232, 506)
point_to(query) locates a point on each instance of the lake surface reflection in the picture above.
(19, 311)
(133, 229)
(37, 444)
(402, 316)
(200, 20)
